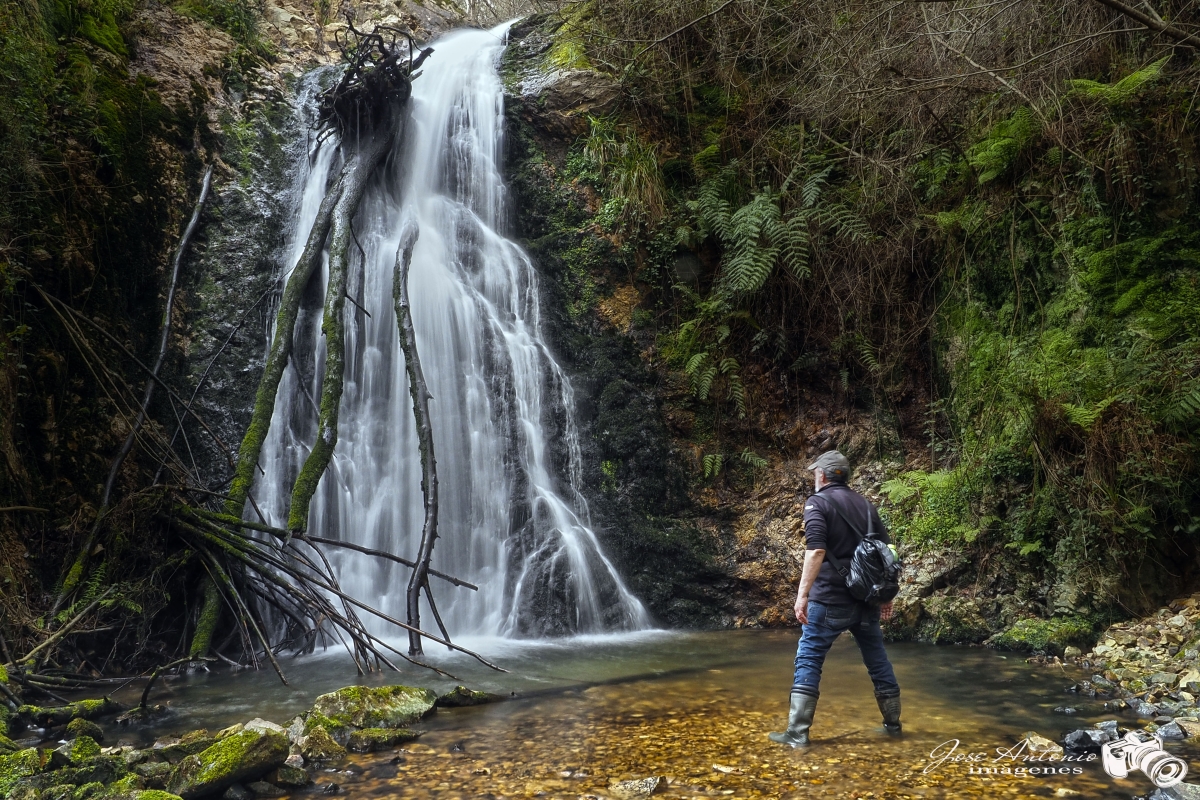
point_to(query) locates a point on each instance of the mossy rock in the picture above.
(289, 776)
(235, 759)
(154, 774)
(371, 740)
(88, 790)
(318, 745)
(461, 696)
(7, 745)
(98, 769)
(75, 752)
(84, 727)
(374, 707)
(44, 717)
(1045, 635)
(21, 764)
(191, 743)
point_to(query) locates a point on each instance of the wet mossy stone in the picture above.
(235, 759)
(17, 766)
(371, 740)
(44, 717)
(461, 696)
(155, 774)
(289, 776)
(373, 707)
(75, 752)
(98, 769)
(189, 744)
(1045, 635)
(318, 745)
(7, 745)
(84, 727)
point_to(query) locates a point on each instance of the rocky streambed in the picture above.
(258, 758)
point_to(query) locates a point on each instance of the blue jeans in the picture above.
(825, 624)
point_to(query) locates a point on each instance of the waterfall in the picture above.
(513, 518)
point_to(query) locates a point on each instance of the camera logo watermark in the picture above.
(1141, 751)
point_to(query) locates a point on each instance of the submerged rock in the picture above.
(239, 758)
(637, 789)
(461, 696)
(1040, 744)
(42, 717)
(370, 740)
(1087, 740)
(372, 707)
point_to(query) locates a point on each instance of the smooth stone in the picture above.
(1172, 730)
(638, 789)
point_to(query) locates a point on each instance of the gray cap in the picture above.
(835, 465)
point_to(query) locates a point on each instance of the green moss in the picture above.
(371, 740)
(14, 767)
(83, 748)
(462, 696)
(236, 758)
(1046, 635)
(373, 707)
(318, 744)
(83, 727)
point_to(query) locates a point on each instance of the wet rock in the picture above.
(1066, 710)
(318, 745)
(331, 788)
(1036, 743)
(1167, 679)
(84, 727)
(637, 789)
(1071, 651)
(1189, 725)
(1043, 635)
(370, 707)
(1171, 730)
(192, 742)
(1180, 791)
(14, 767)
(1109, 725)
(264, 789)
(7, 745)
(155, 774)
(262, 726)
(1144, 709)
(238, 792)
(75, 752)
(1087, 740)
(236, 759)
(371, 740)
(462, 696)
(289, 775)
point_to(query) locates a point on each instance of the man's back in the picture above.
(828, 515)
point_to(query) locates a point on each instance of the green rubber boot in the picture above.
(800, 718)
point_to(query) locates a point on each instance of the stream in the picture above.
(692, 707)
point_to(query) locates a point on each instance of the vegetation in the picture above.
(972, 224)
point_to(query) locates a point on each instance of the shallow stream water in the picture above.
(693, 707)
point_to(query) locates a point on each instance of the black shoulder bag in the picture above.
(873, 575)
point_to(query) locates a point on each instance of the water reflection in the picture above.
(694, 708)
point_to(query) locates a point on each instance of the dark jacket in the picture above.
(826, 529)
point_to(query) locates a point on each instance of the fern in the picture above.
(752, 459)
(712, 464)
(1123, 90)
(996, 153)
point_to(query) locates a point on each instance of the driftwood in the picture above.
(419, 389)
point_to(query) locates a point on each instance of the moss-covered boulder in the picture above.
(235, 759)
(44, 717)
(318, 745)
(97, 769)
(370, 740)
(189, 744)
(372, 707)
(1045, 635)
(154, 774)
(84, 727)
(21, 764)
(75, 752)
(461, 696)
(7, 745)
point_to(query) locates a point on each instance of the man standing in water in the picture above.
(835, 520)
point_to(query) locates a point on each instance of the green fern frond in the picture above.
(703, 381)
(1123, 90)
(712, 465)
(695, 362)
(748, 456)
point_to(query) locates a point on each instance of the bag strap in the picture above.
(837, 563)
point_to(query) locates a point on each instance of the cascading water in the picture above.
(512, 518)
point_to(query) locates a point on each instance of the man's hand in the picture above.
(801, 608)
(885, 611)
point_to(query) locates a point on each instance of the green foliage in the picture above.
(629, 165)
(996, 153)
(1047, 635)
(1124, 90)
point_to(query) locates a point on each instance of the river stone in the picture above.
(84, 727)
(1189, 725)
(288, 775)
(318, 745)
(371, 707)
(461, 696)
(21, 764)
(1087, 740)
(154, 774)
(371, 740)
(1180, 791)
(262, 726)
(1036, 743)
(1172, 730)
(1143, 709)
(238, 792)
(264, 789)
(1167, 679)
(235, 759)
(40, 717)
(636, 789)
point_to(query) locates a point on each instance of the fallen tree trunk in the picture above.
(420, 399)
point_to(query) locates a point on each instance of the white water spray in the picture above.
(512, 518)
